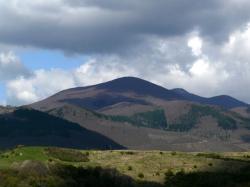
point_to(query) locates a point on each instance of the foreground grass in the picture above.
(146, 168)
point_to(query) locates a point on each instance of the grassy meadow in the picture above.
(42, 166)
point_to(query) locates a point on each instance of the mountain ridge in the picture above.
(112, 90)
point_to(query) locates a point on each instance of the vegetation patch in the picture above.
(67, 155)
(221, 157)
(210, 155)
(209, 179)
(188, 121)
(32, 168)
(151, 119)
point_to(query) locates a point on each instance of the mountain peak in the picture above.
(180, 91)
(127, 81)
(138, 86)
(134, 90)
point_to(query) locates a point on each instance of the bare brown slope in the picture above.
(114, 98)
(147, 138)
(243, 111)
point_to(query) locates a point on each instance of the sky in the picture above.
(50, 45)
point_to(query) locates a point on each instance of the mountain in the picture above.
(222, 100)
(130, 90)
(23, 126)
(138, 114)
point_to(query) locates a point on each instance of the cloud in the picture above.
(11, 67)
(169, 63)
(200, 67)
(114, 27)
(195, 43)
(200, 46)
(38, 86)
(92, 72)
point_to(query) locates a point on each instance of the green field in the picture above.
(40, 166)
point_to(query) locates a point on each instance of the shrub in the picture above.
(173, 153)
(68, 155)
(141, 175)
(169, 173)
(181, 172)
(129, 153)
(130, 168)
(210, 155)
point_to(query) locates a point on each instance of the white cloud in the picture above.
(199, 68)
(95, 71)
(44, 83)
(238, 46)
(39, 86)
(11, 67)
(208, 69)
(195, 43)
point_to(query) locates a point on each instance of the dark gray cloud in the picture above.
(97, 26)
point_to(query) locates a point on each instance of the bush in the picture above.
(130, 168)
(127, 153)
(169, 174)
(210, 155)
(209, 179)
(141, 175)
(68, 155)
(173, 153)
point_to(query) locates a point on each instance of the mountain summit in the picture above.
(131, 90)
(129, 113)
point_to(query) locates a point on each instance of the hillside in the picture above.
(25, 126)
(129, 90)
(55, 167)
(141, 115)
(134, 131)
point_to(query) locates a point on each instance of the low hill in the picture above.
(25, 126)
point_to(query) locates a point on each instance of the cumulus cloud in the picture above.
(38, 86)
(169, 63)
(11, 67)
(195, 43)
(202, 46)
(96, 26)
